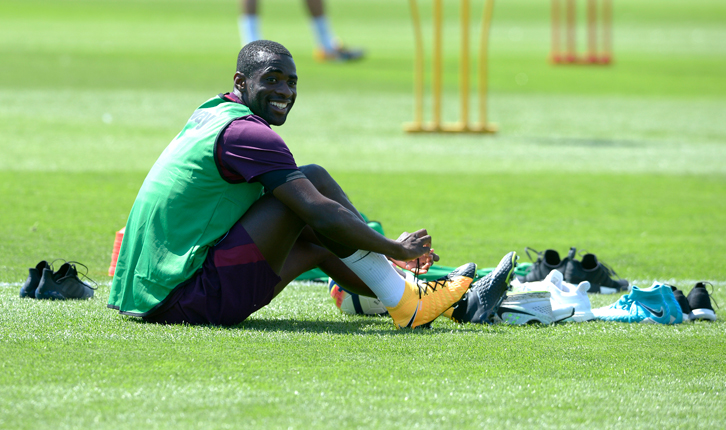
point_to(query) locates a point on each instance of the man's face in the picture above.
(271, 90)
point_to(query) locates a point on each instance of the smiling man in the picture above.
(226, 219)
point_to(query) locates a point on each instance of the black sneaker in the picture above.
(595, 272)
(700, 302)
(31, 284)
(546, 262)
(479, 305)
(63, 284)
(682, 302)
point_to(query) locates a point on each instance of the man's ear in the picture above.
(240, 81)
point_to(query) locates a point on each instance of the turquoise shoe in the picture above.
(656, 304)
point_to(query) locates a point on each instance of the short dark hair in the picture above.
(249, 58)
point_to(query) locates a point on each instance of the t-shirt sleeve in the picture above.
(274, 179)
(248, 148)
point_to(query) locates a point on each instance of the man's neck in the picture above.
(233, 97)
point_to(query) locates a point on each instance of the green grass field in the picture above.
(626, 161)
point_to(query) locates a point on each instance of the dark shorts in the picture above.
(234, 282)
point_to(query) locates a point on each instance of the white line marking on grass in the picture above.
(19, 284)
(642, 283)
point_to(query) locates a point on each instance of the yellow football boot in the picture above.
(423, 302)
(449, 313)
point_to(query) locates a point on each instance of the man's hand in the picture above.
(419, 240)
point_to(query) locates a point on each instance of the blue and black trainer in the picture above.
(63, 284)
(33, 280)
(656, 304)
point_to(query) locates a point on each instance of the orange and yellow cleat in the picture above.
(424, 302)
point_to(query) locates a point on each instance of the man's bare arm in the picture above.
(331, 219)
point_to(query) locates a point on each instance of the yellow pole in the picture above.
(418, 68)
(436, 85)
(436, 124)
(464, 66)
(486, 23)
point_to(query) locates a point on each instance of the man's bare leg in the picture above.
(248, 22)
(274, 228)
(308, 253)
(315, 7)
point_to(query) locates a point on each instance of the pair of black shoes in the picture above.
(589, 269)
(44, 283)
(697, 306)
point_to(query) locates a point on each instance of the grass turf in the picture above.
(624, 161)
(299, 363)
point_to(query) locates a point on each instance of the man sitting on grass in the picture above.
(225, 219)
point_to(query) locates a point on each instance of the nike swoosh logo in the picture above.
(656, 313)
(410, 322)
(502, 310)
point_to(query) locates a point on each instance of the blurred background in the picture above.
(622, 159)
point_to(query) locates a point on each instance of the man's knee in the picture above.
(326, 185)
(320, 178)
(272, 212)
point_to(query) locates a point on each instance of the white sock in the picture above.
(249, 28)
(322, 32)
(377, 273)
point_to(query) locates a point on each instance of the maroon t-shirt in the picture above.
(248, 149)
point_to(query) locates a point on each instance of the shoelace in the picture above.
(52, 263)
(610, 270)
(423, 286)
(84, 275)
(538, 253)
(415, 278)
(710, 293)
(433, 285)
